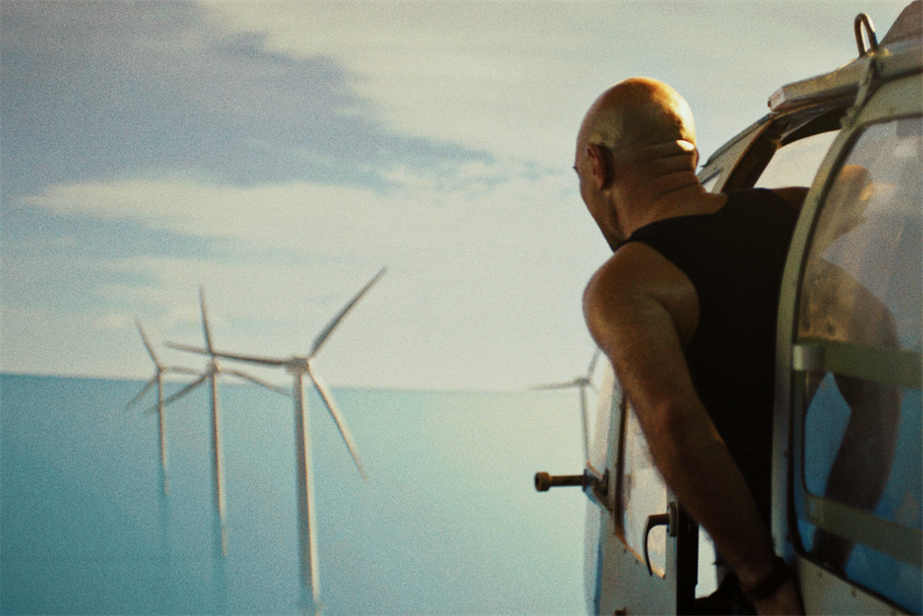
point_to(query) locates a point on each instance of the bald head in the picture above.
(636, 114)
(636, 158)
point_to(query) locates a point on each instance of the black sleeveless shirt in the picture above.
(735, 258)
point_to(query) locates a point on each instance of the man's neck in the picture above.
(665, 196)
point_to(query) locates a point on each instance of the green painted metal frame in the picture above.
(797, 356)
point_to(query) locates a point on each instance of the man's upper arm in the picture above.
(636, 306)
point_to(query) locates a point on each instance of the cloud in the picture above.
(251, 92)
(469, 205)
(483, 259)
(513, 78)
(280, 153)
(96, 90)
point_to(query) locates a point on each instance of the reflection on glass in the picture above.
(861, 298)
(643, 494)
(610, 393)
(868, 240)
(797, 163)
(825, 425)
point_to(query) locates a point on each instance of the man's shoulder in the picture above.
(631, 264)
(635, 271)
(639, 280)
(636, 285)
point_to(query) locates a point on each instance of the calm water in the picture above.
(448, 522)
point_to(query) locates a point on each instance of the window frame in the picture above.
(796, 356)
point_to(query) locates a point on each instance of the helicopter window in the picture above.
(796, 164)
(643, 493)
(860, 314)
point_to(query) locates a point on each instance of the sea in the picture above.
(448, 521)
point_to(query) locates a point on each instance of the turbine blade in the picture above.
(181, 370)
(257, 381)
(331, 406)
(208, 338)
(144, 390)
(147, 343)
(253, 359)
(187, 347)
(325, 333)
(567, 385)
(589, 371)
(185, 390)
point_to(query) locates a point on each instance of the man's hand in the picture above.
(784, 601)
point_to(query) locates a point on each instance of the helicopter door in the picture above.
(853, 329)
(647, 559)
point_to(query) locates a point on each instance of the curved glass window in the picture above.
(643, 493)
(796, 164)
(859, 336)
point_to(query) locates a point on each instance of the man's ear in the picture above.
(600, 165)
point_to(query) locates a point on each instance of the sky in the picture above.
(278, 154)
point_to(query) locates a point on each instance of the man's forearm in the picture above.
(697, 466)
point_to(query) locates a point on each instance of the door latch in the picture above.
(670, 519)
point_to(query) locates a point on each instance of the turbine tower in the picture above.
(157, 379)
(581, 382)
(211, 375)
(299, 366)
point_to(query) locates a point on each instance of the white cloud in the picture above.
(486, 265)
(495, 207)
(514, 78)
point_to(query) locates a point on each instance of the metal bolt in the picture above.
(544, 481)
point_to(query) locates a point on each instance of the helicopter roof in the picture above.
(901, 51)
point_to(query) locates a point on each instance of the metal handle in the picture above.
(864, 20)
(670, 519)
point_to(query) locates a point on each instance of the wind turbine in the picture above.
(299, 366)
(211, 375)
(157, 379)
(581, 382)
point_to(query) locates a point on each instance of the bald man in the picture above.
(686, 311)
